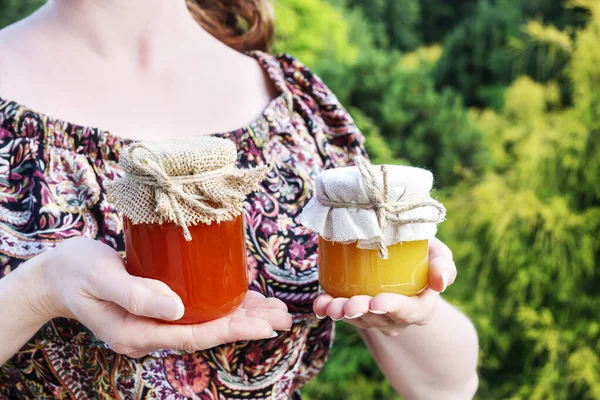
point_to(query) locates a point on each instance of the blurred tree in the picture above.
(426, 127)
(430, 128)
(351, 372)
(377, 146)
(13, 10)
(555, 13)
(542, 51)
(438, 18)
(307, 23)
(475, 60)
(493, 44)
(527, 233)
(394, 23)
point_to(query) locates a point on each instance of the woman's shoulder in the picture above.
(308, 91)
(336, 135)
(297, 76)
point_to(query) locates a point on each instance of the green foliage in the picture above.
(543, 52)
(426, 127)
(377, 148)
(475, 54)
(430, 128)
(495, 43)
(438, 18)
(307, 22)
(394, 22)
(527, 233)
(14, 10)
(354, 375)
(520, 182)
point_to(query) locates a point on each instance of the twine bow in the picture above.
(386, 211)
(169, 189)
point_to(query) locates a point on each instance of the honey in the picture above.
(208, 273)
(182, 203)
(374, 224)
(346, 271)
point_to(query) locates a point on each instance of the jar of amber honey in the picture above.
(182, 204)
(374, 224)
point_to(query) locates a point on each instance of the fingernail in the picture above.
(376, 312)
(355, 316)
(444, 280)
(274, 335)
(320, 316)
(169, 308)
(337, 319)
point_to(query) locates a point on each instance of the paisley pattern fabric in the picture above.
(52, 179)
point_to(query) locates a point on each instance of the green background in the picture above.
(501, 100)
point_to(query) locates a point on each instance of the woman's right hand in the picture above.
(86, 280)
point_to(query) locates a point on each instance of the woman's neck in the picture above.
(113, 29)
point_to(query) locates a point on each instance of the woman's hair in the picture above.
(244, 25)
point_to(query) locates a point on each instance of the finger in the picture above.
(376, 320)
(427, 302)
(257, 300)
(407, 310)
(356, 307)
(442, 269)
(438, 248)
(227, 331)
(399, 308)
(140, 296)
(253, 294)
(385, 303)
(320, 305)
(392, 331)
(139, 354)
(335, 309)
(207, 335)
(359, 323)
(278, 319)
(129, 334)
(158, 287)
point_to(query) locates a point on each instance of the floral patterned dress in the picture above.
(52, 179)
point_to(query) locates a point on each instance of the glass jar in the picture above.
(346, 271)
(374, 224)
(209, 273)
(182, 203)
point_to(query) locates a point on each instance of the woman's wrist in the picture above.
(35, 297)
(23, 306)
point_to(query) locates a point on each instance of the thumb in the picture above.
(140, 296)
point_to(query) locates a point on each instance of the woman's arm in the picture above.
(20, 318)
(86, 280)
(426, 347)
(433, 361)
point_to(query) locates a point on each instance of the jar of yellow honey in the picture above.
(374, 224)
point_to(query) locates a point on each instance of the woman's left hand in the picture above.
(389, 312)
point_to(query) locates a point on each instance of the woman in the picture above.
(74, 323)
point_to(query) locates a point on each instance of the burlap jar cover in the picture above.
(374, 206)
(186, 182)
